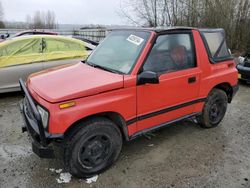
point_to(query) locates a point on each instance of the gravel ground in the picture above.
(182, 155)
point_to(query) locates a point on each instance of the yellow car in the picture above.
(19, 57)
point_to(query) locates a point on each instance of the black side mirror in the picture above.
(148, 77)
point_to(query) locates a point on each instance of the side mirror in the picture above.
(148, 77)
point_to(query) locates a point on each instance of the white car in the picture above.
(21, 56)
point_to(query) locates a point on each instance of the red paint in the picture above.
(74, 81)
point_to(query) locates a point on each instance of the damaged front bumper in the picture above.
(41, 139)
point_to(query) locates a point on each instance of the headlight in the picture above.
(44, 115)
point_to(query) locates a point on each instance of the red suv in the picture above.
(135, 81)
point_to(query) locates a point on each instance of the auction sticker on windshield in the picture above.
(135, 39)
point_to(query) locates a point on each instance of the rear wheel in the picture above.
(92, 147)
(214, 109)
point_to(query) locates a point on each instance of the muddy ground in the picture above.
(182, 155)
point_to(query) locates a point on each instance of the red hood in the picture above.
(73, 81)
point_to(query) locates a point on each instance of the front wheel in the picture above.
(92, 147)
(214, 109)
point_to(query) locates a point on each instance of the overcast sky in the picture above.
(66, 11)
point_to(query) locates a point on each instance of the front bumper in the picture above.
(235, 89)
(244, 73)
(41, 139)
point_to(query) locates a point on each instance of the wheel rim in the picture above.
(94, 151)
(216, 111)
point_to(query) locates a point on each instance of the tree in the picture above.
(1, 16)
(145, 12)
(38, 20)
(42, 20)
(50, 20)
(242, 23)
(232, 15)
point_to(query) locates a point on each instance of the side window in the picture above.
(216, 44)
(171, 52)
(3, 51)
(75, 46)
(53, 45)
(22, 47)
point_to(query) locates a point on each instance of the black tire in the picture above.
(214, 109)
(92, 147)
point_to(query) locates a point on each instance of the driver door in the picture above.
(177, 91)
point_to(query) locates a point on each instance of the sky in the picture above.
(66, 11)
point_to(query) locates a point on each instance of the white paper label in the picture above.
(135, 40)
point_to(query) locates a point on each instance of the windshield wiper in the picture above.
(103, 68)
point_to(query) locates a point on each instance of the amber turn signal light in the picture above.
(67, 105)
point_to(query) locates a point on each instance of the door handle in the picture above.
(191, 79)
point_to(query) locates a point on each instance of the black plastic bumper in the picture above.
(235, 89)
(33, 124)
(244, 73)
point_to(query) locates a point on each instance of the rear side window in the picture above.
(56, 45)
(22, 47)
(216, 45)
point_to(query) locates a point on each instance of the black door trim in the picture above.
(165, 110)
(143, 132)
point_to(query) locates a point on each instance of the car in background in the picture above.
(244, 67)
(21, 56)
(86, 40)
(26, 32)
(34, 32)
(89, 45)
(3, 37)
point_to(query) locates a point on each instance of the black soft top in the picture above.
(164, 29)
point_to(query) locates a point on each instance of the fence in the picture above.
(91, 34)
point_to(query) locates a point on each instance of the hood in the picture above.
(73, 81)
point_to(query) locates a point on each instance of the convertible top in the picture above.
(164, 29)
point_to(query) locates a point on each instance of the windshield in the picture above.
(119, 50)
